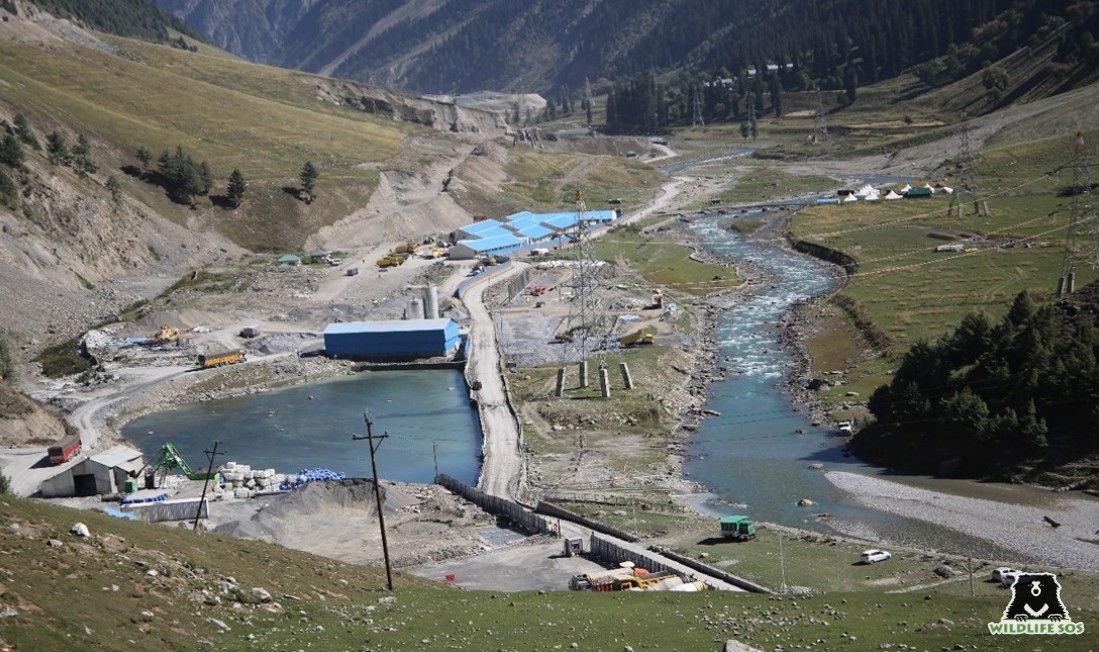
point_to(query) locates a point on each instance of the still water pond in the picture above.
(426, 413)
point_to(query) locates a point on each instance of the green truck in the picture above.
(738, 528)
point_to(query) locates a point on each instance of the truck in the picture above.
(250, 331)
(64, 450)
(620, 579)
(390, 260)
(737, 528)
(640, 337)
(211, 360)
(537, 290)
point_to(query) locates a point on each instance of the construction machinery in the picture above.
(169, 459)
(537, 290)
(167, 334)
(640, 337)
(626, 578)
(737, 528)
(407, 248)
(391, 260)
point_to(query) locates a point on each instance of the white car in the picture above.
(998, 574)
(874, 556)
(1008, 578)
(845, 428)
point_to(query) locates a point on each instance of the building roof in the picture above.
(289, 258)
(388, 326)
(559, 221)
(116, 456)
(492, 244)
(536, 232)
(483, 228)
(521, 220)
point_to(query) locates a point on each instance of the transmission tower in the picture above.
(696, 120)
(1083, 233)
(821, 119)
(967, 188)
(588, 331)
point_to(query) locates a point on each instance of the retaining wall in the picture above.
(525, 519)
(610, 551)
(553, 510)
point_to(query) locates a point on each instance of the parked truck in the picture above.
(64, 450)
(211, 360)
(620, 579)
(640, 337)
(737, 528)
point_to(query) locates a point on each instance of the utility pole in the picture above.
(206, 483)
(377, 490)
(1083, 236)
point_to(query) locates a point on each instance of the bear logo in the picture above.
(1037, 596)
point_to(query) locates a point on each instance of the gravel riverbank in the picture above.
(1019, 528)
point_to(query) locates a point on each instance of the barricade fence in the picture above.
(527, 520)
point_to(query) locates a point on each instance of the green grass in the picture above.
(95, 594)
(662, 262)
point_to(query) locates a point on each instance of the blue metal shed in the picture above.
(501, 244)
(391, 340)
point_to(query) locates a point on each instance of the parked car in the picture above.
(873, 556)
(1008, 578)
(845, 428)
(998, 573)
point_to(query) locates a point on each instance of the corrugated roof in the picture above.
(115, 456)
(482, 227)
(536, 232)
(522, 220)
(558, 221)
(493, 243)
(387, 326)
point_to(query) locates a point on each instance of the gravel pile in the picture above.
(1020, 528)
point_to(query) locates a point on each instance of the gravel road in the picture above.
(1020, 528)
(503, 461)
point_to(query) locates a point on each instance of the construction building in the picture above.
(108, 472)
(386, 341)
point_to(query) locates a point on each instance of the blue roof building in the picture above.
(392, 340)
(500, 244)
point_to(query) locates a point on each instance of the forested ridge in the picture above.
(136, 18)
(547, 46)
(992, 398)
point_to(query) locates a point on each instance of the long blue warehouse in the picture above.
(391, 340)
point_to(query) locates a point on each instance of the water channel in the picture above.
(426, 414)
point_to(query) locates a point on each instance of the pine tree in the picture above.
(11, 151)
(309, 175)
(237, 186)
(115, 189)
(144, 155)
(23, 131)
(206, 177)
(57, 150)
(82, 157)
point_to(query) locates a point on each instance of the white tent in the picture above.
(893, 195)
(866, 191)
(929, 187)
(948, 190)
(906, 188)
(850, 198)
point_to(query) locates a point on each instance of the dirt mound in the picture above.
(339, 520)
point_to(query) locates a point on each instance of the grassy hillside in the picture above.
(131, 584)
(232, 114)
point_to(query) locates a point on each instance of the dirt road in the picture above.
(503, 460)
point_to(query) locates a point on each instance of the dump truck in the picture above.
(391, 260)
(737, 528)
(211, 360)
(64, 450)
(537, 290)
(640, 337)
(407, 248)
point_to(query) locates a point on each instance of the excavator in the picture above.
(169, 459)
